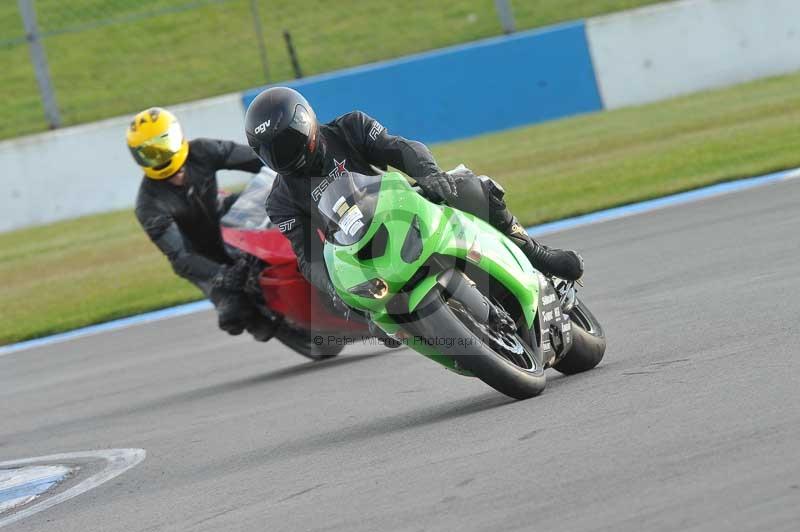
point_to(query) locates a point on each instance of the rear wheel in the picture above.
(302, 341)
(497, 356)
(588, 342)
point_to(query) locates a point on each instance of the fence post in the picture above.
(262, 47)
(506, 15)
(298, 73)
(40, 63)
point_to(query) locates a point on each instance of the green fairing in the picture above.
(445, 231)
(396, 208)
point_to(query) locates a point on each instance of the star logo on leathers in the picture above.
(339, 170)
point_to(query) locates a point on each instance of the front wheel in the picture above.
(500, 359)
(588, 342)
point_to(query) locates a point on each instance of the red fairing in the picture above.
(268, 245)
(285, 290)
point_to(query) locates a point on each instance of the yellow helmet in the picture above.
(157, 143)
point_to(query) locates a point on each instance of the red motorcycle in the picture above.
(307, 325)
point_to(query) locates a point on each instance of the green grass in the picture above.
(132, 63)
(98, 268)
(66, 275)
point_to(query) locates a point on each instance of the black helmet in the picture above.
(282, 129)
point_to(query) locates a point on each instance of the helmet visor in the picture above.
(288, 150)
(158, 151)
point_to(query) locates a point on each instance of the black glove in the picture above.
(439, 186)
(232, 276)
(252, 284)
(262, 328)
(234, 312)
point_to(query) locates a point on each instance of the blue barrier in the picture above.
(465, 90)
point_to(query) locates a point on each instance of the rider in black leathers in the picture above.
(179, 208)
(282, 128)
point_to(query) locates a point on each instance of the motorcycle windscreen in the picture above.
(348, 205)
(248, 210)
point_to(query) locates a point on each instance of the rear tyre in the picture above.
(588, 342)
(302, 341)
(510, 366)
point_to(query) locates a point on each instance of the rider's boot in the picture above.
(562, 263)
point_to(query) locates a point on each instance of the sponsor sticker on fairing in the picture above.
(351, 221)
(549, 298)
(341, 206)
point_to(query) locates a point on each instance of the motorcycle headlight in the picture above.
(374, 288)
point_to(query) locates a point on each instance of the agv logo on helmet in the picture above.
(262, 127)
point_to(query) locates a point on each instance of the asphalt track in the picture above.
(691, 423)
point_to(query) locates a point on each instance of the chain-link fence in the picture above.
(112, 57)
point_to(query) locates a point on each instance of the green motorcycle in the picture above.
(451, 287)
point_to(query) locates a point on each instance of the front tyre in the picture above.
(588, 342)
(507, 364)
